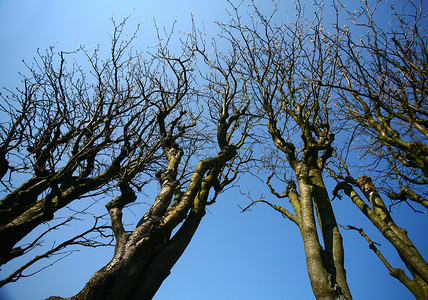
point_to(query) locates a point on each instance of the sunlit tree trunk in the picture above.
(281, 65)
(144, 258)
(378, 214)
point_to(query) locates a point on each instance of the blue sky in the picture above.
(255, 255)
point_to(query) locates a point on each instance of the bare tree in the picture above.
(281, 66)
(185, 119)
(383, 93)
(135, 120)
(311, 85)
(69, 136)
(376, 211)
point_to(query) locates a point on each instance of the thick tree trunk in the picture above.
(144, 257)
(314, 259)
(325, 266)
(137, 273)
(158, 269)
(333, 242)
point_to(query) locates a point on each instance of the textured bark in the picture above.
(325, 265)
(380, 217)
(144, 257)
(137, 273)
(318, 276)
(159, 267)
(397, 236)
(333, 252)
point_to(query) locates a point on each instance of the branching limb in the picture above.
(408, 194)
(413, 285)
(285, 213)
(77, 240)
(115, 207)
(394, 234)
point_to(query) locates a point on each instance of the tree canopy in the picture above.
(317, 108)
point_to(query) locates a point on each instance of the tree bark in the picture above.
(333, 242)
(144, 257)
(325, 265)
(398, 238)
(133, 274)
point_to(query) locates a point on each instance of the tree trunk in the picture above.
(138, 270)
(333, 242)
(398, 238)
(144, 257)
(325, 266)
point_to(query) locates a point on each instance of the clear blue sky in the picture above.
(256, 255)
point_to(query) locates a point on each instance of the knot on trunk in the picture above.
(365, 184)
(166, 176)
(291, 186)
